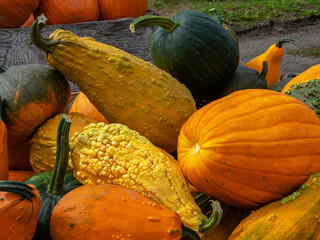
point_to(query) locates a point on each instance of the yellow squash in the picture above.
(124, 88)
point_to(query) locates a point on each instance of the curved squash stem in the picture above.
(264, 70)
(62, 154)
(188, 234)
(148, 20)
(285, 40)
(45, 44)
(214, 219)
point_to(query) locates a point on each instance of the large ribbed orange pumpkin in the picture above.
(250, 147)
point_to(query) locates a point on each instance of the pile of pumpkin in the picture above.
(247, 144)
(21, 13)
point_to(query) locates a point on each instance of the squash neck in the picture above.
(285, 40)
(45, 44)
(149, 20)
(55, 186)
(264, 70)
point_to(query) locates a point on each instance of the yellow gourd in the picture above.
(274, 56)
(116, 154)
(124, 88)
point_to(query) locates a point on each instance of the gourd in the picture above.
(311, 73)
(82, 104)
(44, 141)
(4, 159)
(273, 55)
(278, 86)
(307, 92)
(19, 156)
(194, 48)
(294, 217)
(31, 94)
(246, 78)
(114, 212)
(113, 9)
(28, 22)
(19, 207)
(68, 11)
(115, 154)
(122, 87)
(20, 175)
(15, 13)
(250, 147)
(54, 185)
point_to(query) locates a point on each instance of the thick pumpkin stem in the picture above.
(148, 20)
(62, 155)
(45, 44)
(264, 70)
(285, 40)
(214, 219)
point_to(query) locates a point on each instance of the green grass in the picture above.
(313, 52)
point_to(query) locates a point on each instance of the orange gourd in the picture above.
(274, 56)
(4, 159)
(82, 104)
(113, 9)
(20, 175)
(250, 147)
(19, 156)
(108, 211)
(68, 11)
(311, 73)
(29, 21)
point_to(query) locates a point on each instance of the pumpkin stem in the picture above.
(62, 155)
(45, 44)
(214, 219)
(148, 20)
(285, 40)
(264, 70)
(188, 233)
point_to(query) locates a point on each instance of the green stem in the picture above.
(285, 40)
(148, 20)
(45, 44)
(214, 219)
(264, 70)
(188, 233)
(55, 186)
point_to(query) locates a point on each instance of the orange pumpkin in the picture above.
(68, 11)
(4, 159)
(20, 175)
(82, 104)
(29, 21)
(114, 9)
(250, 147)
(19, 156)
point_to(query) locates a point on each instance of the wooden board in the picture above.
(16, 47)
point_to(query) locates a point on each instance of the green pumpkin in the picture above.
(278, 86)
(194, 48)
(52, 186)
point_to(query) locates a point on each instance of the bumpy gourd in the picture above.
(294, 217)
(115, 154)
(122, 87)
(307, 92)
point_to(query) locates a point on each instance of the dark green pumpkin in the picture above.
(31, 94)
(278, 86)
(194, 48)
(52, 186)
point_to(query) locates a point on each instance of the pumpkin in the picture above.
(68, 11)
(19, 156)
(44, 141)
(311, 73)
(140, 95)
(31, 94)
(273, 55)
(113, 9)
(250, 147)
(19, 208)
(294, 217)
(115, 154)
(54, 185)
(20, 175)
(194, 48)
(82, 104)
(15, 12)
(29, 21)
(4, 159)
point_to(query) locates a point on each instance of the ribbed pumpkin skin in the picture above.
(111, 212)
(250, 147)
(13, 13)
(69, 11)
(199, 52)
(31, 94)
(114, 9)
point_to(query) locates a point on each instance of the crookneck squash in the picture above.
(4, 158)
(54, 185)
(20, 205)
(115, 154)
(274, 56)
(114, 212)
(194, 48)
(294, 217)
(31, 94)
(122, 87)
(250, 147)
